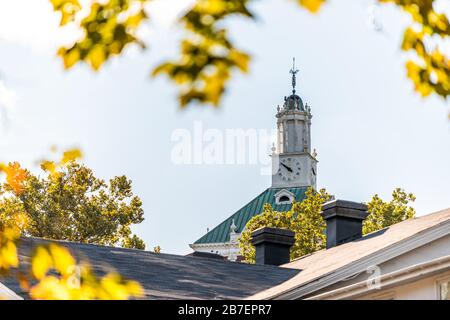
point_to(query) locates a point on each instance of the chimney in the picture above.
(272, 245)
(344, 221)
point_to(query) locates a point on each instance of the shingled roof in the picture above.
(166, 276)
(221, 233)
(354, 257)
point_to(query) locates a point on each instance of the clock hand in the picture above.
(288, 169)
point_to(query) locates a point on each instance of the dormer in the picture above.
(284, 197)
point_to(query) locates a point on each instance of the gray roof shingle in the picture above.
(166, 276)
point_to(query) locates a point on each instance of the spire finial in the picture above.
(233, 227)
(294, 72)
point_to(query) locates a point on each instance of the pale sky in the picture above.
(371, 131)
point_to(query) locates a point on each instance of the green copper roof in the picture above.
(221, 233)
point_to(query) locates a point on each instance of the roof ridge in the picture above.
(84, 244)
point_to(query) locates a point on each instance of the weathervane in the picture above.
(293, 71)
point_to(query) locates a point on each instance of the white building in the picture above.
(409, 260)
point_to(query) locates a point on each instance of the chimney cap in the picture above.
(344, 208)
(273, 235)
(277, 231)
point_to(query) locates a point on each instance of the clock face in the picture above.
(289, 169)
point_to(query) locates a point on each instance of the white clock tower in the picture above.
(294, 170)
(295, 165)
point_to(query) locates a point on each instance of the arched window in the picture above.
(284, 197)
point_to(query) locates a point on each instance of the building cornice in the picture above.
(389, 280)
(224, 245)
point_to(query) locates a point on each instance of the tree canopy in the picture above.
(53, 273)
(70, 203)
(208, 56)
(382, 214)
(305, 219)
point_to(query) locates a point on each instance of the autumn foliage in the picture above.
(75, 281)
(208, 56)
(70, 204)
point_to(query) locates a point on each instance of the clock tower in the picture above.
(294, 169)
(294, 163)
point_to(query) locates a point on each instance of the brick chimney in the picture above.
(344, 221)
(272, 245)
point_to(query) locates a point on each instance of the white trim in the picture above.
(230, 250)
(284, 193)
(404, 275)
(210, 245)
(361, 265)
(7, 294)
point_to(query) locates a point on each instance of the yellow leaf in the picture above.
(135, 289)
(112, 288)
(48, 166)
(63, 260)
(312, 5)
(11, 234)
(70, 57)
(96, 57)
(41, 263)
(240, 59)
(68, 9)
(71, 155)
(8, 256)
(211, 7)
(50, 288)
(134, 20)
